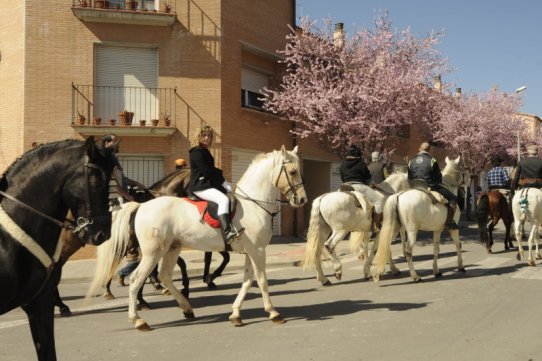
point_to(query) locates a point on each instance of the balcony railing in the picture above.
(113, 105)
(143, 12)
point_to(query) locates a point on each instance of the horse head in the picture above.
(85, 191)
(452, 175)
(289, 180)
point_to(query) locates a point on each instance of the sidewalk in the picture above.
(282, 251)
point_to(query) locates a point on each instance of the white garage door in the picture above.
(241, 159)
(144, 169)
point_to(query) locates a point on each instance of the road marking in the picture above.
(11, 324)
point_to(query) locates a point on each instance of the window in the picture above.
(252, 82)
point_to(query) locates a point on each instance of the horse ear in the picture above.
(92, 150)
(295, 150)
(457, 159)
(447, 160)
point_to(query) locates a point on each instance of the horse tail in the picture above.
(390, 226)
(111, 252)
(482, 208)
(358, 241)
(317, 228)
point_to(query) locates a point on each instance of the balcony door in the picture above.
(126, 78)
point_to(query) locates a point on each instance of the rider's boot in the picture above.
(450, 223)
(228, 231)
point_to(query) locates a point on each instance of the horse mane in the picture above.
(42, 149)
(168, 178)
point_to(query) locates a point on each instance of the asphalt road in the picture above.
(488, 313)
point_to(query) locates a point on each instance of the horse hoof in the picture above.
(462, 269)
(143, 327)
(278, 319)
(376, 278)
(531, 263)
(109, 296)
(326, 283)
(418, 280)
(489, 250)
(65, 312)
(189, 315)
(338, 275)
(236, 321)
(211, 285)
(518, 256)
(438, 275)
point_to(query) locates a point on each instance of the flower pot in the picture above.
(101, 4)
(155, 122)
(131, 5)
(167, 122)
(142, 122)
(112, 121)
(81, 119)
(126, 117)
(97, 121)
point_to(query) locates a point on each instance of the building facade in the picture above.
(70, 68)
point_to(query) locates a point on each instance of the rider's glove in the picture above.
(227, 186)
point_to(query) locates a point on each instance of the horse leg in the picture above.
(408, 249)
(320, 276)
(186, 281)
(40, 312)
(248, 277)
(258, 265)
(108, 295)
(436, 252)
(166, 276)
(530, 245)
(490, 228)
(337, 265)
(454, 233)
(137, 279)
(225, 260)
(518, 225)
(63, 308)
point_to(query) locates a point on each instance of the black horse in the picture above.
(36, 193)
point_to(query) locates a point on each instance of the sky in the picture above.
(486, 42)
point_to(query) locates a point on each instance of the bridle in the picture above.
(291, 187)
(81, 222)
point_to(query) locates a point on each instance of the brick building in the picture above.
(65, 65)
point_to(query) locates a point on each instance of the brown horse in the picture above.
(494, 206)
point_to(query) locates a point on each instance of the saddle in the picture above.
(208, 210)
(422, 186)
(348, 189)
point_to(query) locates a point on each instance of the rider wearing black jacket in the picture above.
(425, 167)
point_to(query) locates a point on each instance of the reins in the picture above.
(259, 203)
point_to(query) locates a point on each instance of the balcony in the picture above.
(133, 111)
(141, 12)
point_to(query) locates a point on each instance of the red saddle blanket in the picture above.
(205, 211)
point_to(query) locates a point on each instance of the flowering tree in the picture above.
(361, 90)
(479, 127)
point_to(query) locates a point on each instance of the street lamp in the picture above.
(519, 90)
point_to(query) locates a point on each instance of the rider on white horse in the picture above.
(354, 172)
(425, 168)
(208, 183)
(379, 171)
(529, 170)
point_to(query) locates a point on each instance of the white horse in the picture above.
(414, 210)
(527, 206)
(335, 214)
(165, 225)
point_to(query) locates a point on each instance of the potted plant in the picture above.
(81, 118)
(97, 121)
(167, 118)
(101, 4)
(168, 6)
(155, 122)
(112, 121)
(142, 122)
(126, 117)
(83, 3)
(131, 5)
